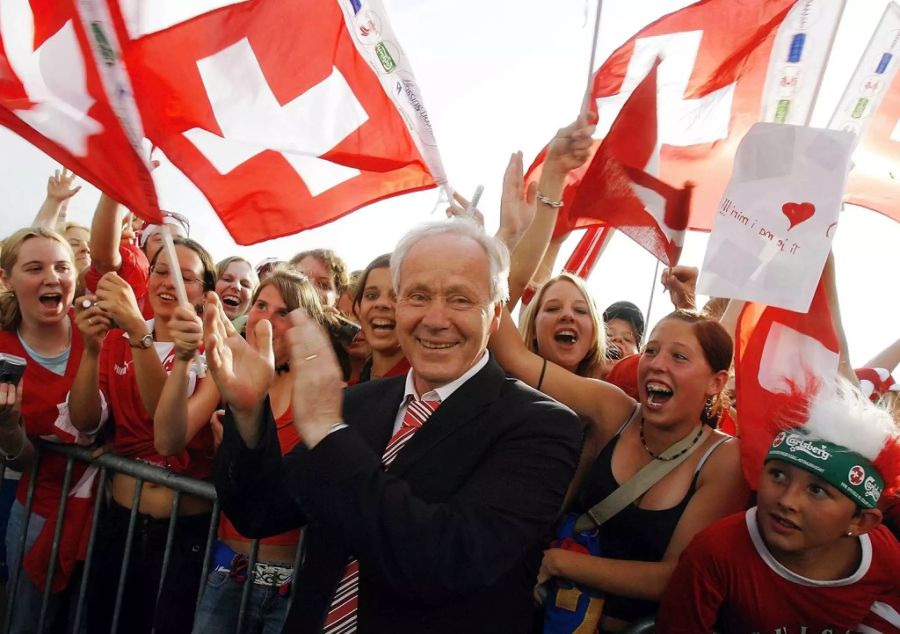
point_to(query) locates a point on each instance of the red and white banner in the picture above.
(870, 108)
(725, 66)
(617, 189)
(64, 90)
(777, 220)
(776, 349)
(287, 114)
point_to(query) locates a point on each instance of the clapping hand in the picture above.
(518, 203)
(242, 372)
(318, 381)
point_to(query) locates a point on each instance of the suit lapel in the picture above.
(462, 408)
(374, 417)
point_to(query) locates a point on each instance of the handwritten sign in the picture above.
(775, 224)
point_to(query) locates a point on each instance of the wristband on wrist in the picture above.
(556, 204)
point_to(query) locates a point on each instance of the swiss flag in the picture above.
(617, 190)
(272, 110)
(774, 347)
(52, 94)
(710, 105)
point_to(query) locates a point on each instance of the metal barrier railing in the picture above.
(142, 473)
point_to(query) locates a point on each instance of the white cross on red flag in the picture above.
(55, 94)
(287, 114)
(617, 189)
(778, 352)
(725, 66)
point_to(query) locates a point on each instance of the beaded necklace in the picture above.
(660, 456)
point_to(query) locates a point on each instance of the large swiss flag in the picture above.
(774, 349)
(618, 191)
(52, 94)
(726, 65)
(271, 108)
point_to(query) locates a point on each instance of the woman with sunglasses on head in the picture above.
(130, 372)
(37, 325)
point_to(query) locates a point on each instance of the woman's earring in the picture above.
(707, 408)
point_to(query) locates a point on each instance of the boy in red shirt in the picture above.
(812, 556)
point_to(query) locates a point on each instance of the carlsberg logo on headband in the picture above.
(851, 473)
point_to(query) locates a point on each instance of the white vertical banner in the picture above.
(376, 42)
(799, 55)
(873, 76)
(775, 225)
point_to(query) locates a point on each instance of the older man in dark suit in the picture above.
(426, 497)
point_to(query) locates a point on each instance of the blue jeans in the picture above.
(218, 612)
(27, 607)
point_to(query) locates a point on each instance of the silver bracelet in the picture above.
(556, 204)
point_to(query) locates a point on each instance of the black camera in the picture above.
(11, 368)
(342, 329)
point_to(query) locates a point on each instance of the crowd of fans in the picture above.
(115, 360)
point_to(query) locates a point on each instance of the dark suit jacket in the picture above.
(449, 539)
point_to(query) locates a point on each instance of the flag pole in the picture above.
(652, 289)
(178, 283)
(585, 103)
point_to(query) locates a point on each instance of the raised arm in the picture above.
(106, 234)
(829, 280)
(568, 150)
(85, 400)
(889, 358)
(179, 416)
(116, 298)
(51, 214)
(604, 404)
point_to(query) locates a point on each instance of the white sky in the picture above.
(499, 76)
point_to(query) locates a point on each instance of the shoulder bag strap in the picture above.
(639, 483)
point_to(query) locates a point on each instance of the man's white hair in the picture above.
(496, 251)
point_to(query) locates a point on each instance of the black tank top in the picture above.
(633, 534)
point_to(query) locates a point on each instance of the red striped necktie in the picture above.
(341, 617)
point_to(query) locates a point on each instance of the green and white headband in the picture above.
(854, 475)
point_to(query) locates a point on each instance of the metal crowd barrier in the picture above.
(142, 472)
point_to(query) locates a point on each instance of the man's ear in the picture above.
(865, 520)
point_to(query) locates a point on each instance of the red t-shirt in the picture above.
(288, 439)
(46, 415)
(727, 579)
(135, 270)
(624, 375)
(133, 425)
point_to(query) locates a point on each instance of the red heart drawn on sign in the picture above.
(798, 212)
